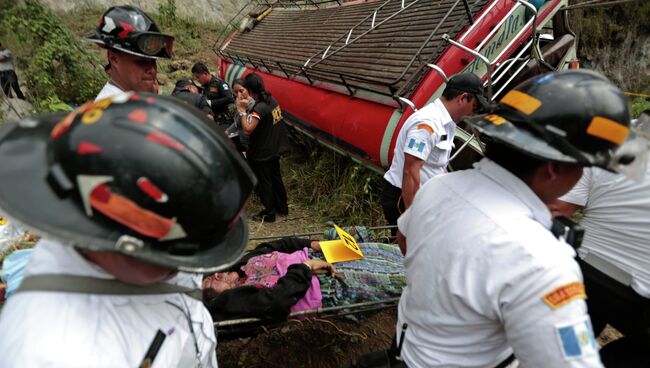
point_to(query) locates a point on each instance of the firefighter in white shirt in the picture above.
(126, 192)
(133, 44)
(486, 278)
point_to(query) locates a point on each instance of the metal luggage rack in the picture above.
(314, 71)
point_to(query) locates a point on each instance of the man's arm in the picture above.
(224, 97)
(410, 178)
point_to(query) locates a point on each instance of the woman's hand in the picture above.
(242, 104)
(318, 266)
(315, 245)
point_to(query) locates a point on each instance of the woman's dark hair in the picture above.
(255, 85)
(239, 81)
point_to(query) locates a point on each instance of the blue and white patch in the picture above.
(225, 87)
(577, 340)
(416, 145)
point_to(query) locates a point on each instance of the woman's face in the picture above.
(221, 281)
(240, 91)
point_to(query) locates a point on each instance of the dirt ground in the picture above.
(314, 343)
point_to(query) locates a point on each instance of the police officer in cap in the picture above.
(187, 91)
(133, 43)
(216, 91)
(128, 194)
(487, 278)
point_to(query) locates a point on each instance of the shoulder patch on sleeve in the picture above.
(225, 86)
(565, 294)
(577, 339)
(425, 127)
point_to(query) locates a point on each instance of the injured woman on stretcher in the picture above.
(290, 275)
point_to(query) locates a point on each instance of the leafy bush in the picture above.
(60, 67)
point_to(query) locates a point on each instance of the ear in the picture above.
(112, 57)
(552, 170)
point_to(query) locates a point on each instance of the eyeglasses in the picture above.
(153, 43)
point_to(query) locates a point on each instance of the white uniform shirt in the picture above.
(50, 329)
(109, 90)
(432, 143)
(480, 261)
(616, 219)
(6, 65)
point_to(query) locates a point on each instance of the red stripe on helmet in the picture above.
(151, 190)
(139, 116)
(62, 126)
(165, 140)
(126, 29)
(129, 213)
(87, 148)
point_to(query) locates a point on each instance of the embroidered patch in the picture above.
(565, 294)
(577, 340)
(425, 127)
(225, 87)
(416, 145)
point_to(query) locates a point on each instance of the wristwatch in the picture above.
(242, 114)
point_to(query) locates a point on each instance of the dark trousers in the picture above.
(392, 203)
(270, 186)
(9, 80)
(610, 302)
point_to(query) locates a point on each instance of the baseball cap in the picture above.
(184, 82)
(470, 83)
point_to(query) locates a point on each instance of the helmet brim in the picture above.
(102, 44)
(522, 140)
(26, 198)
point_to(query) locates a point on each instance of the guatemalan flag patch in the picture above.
(577, 339)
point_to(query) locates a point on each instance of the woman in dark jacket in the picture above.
(289, 275)
(267, 140)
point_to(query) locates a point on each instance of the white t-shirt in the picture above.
(6, 65)
(50, 329)
(486, 277)
(109, 90)
(428, 134)
(616, 219)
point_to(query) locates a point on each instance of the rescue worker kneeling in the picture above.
(126, 192)
(486, 278)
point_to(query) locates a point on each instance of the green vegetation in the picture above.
(58, 70)
(639, 105)
(334, 187)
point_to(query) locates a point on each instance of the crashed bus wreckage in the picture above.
(349, 74)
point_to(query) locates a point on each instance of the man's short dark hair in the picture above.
(199, 68)
(450, 94)
(511, 159)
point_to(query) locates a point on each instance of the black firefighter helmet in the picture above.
(130, 30)
(137, 174)
(573, 116)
